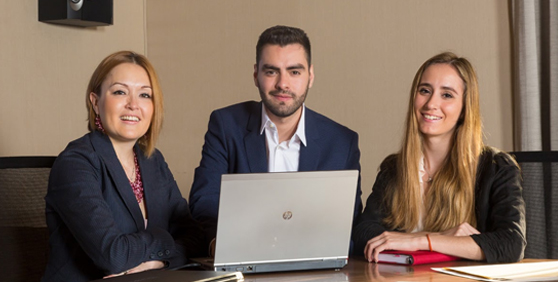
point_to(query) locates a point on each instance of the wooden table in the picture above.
(360, 270)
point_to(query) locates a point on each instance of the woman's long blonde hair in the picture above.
(451, 197)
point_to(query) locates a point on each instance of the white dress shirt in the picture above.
(282, 156)
(422, 172)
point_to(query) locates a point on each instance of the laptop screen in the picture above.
(285, 217)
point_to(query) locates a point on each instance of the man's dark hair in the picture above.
(283, 35)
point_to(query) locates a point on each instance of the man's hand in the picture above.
(212, 248)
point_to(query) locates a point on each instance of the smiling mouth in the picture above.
(430, 117)
(129, 118)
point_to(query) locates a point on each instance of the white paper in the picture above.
(542, 271)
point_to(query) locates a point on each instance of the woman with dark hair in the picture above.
(113, 206)
(444, 190)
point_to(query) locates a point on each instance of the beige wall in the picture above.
(365, 54)
(44, 71)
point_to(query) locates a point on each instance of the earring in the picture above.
(99, 124)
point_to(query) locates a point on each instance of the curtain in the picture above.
(534, 25)
(535, 56)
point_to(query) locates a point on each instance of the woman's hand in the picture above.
(144, 266)
(418, 241)
(394, 241)
(463, 229)
(148, 265)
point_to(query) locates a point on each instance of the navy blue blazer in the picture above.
(233, 144)
(95, 223)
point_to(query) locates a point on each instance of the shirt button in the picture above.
(160, 254)
(167, 252)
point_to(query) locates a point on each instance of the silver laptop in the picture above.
(285, 221)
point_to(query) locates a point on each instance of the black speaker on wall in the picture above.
(76, 12)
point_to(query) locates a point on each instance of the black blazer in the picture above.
(499, 207)
(95, 223)
(233, 144)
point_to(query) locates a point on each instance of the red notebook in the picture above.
(414, 257)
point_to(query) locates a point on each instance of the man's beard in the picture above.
(282, 109)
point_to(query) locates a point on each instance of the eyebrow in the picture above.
(126, 85)
(296, 67)
(269, 67)
(293, 67)
(443, 87)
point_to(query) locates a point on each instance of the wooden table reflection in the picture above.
(359, 269)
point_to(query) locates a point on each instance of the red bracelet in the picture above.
(429, 242)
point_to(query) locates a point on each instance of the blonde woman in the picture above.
(444, 190)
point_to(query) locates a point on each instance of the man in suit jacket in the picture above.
(277, 134)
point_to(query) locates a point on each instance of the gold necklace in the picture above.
(427, 173)
(131, 175)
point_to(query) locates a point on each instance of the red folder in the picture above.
(414, 257)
